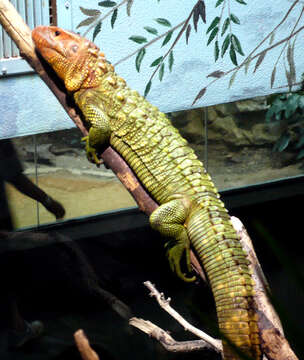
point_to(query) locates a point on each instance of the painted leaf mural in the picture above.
(183, 54)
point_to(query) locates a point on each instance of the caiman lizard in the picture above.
(190, 209)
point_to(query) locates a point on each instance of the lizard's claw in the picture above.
(175, 254)
(91, 152)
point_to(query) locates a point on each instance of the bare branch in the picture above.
(273, 342)
(83, 346)
(166, 340)
(165, 304)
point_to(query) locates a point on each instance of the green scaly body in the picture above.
(176, 179)
(190, 209)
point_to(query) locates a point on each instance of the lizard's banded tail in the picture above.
(219, 249)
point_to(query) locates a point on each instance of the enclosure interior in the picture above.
(255, 163)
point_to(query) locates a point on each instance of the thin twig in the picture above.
(165, 304)
(83, 346)
(167, 340)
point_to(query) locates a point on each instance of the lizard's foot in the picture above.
(175, 253)
(91, 152)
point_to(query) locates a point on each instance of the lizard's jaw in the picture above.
(45, 41)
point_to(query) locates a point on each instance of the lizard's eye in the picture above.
(74, 48)
(57, 33)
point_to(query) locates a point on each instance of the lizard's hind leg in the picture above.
(169, 219)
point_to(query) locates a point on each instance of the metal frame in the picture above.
(34, 12)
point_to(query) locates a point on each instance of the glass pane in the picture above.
(244, 148)
(66, 175)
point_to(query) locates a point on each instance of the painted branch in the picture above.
(166, 340)
(83, 346)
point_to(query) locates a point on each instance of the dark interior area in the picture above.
(123, 252)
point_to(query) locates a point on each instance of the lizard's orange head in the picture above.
(76, 60)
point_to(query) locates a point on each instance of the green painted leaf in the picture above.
(212, 35)
(148, 88)
(215, 21)
(163, 22)
(241, 2)
(139, 58)
(167, 38)
(85, 22)
(291, 62)
(237, 45)
(273, 74)
(225, 26)
(89, 12)
(216, 74)
(161, 71)
(271, 38)
(218, 3)
(114, 17)
(233, 55)
(171, 60)
(246, 64)
(202, 10)
(188, 33)
(138, 39)
(151, 30)
(199, 95)
(107, 3)
(231, 81)
(225, 45)
(97, 30)
(235, 19)
(196, 16)
(156, 61)
(216, 51)
(259, 61)
(129, 6)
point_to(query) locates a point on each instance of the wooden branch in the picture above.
(83, 346)
(167, 340)
(273, 343)
(165, 304)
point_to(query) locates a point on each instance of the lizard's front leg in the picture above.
(99, 133)
(169, 219)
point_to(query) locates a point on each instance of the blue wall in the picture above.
(28, 106)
